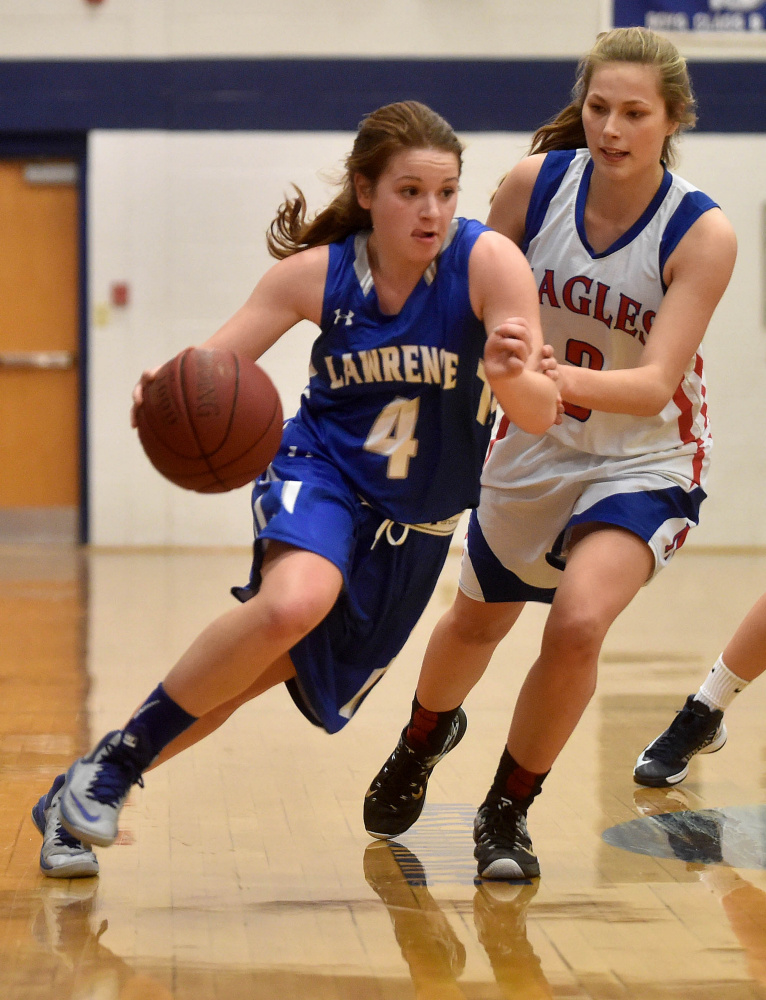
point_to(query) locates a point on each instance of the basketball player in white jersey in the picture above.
(630, 262)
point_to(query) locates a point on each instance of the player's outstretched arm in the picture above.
(696, 275)
(291, 290)
(504, 297)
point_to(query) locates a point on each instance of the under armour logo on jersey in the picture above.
(347, 316)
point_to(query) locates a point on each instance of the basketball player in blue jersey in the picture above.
(630, 262)
(422, 317)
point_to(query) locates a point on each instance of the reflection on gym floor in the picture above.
(243, 869)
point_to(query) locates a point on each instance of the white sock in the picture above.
(720, 687)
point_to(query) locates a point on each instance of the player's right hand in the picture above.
(507, 349)
(138, 392)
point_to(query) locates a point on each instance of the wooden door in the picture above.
(39, 315)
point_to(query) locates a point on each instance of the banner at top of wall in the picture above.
(738, 16)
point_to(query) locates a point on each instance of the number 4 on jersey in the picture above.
(393, 434)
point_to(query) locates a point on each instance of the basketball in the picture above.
(210, 421)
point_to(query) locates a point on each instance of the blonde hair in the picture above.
(633, 45)
(382, 134)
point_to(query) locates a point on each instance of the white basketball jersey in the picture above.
(598, 308)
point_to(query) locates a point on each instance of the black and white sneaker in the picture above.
(695, 729)
(397, 794)
(503, 846)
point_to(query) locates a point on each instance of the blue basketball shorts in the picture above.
(389, 573)
(519, 536)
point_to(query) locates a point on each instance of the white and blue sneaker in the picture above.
(62, 855)
(97, 786)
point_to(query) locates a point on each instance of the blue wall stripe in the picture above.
(327, 94)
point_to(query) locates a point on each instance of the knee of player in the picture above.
(486, 627)
(289, 617)
(574, 635)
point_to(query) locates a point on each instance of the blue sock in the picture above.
(156, 723)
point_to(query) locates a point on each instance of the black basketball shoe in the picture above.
(503, 846)
(397, 794)
(695, 729)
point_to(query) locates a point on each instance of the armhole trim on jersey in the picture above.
(467, 232)
(547, 183)
(692, 206)
(330, 284)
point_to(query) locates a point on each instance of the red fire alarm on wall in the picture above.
(120, 294)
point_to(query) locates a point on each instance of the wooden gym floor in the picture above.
(243, 869)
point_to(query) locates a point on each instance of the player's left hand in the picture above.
(508, 348)
(147, 376)
(549, 366)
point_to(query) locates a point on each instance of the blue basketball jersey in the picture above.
(400, 404)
